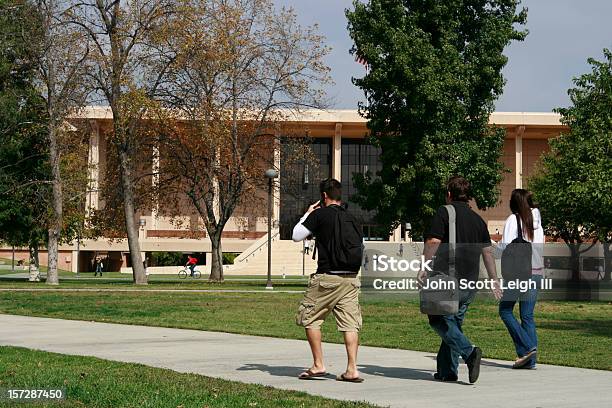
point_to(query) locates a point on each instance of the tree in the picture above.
(23, 170)
(574, 180)
(242, 68)
(128, 63)
(58, 50)
(434, 72)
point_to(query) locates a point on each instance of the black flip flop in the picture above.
(309, 375)
(341, 377)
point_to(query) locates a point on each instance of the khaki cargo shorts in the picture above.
(338, 294)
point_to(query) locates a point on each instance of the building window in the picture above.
(304, 163)
(359, 157)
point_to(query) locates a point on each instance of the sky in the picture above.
(562, 35)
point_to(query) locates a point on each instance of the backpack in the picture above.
(345, 249)
(516, 258)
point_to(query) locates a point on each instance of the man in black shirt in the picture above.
(331, 289)
(472, 241)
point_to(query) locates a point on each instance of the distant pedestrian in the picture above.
(307, 245)
(600, 272)
(98, 266)
(191, 264)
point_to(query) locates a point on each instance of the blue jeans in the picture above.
(524, 333)
(454, 342)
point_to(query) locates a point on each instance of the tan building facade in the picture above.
(338, 143)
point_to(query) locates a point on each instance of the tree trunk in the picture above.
(34, 264)
(56, 220)
(140, 278)
(607, 246)
(575, 261)
(52, 253)
(216, 264)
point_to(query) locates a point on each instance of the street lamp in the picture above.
(271, 174)
(408, 232)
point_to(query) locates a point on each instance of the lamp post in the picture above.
(271, 174)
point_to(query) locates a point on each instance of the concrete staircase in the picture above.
(287, 258)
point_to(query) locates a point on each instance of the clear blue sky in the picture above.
(562, 35)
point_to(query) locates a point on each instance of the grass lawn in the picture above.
(92, 382)
(571, 333)
(89, 282)
(116, 280)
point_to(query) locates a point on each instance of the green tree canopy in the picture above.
(23, 168)
(434, 72)
(574, 182)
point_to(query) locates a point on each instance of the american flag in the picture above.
(360, 59)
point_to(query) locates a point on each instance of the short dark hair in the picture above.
(332, 188)
(459, 188)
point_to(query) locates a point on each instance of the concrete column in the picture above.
(518, 161)
(155, 183)
(92, 198)
(276, 187)
(396, 235)
(337, 153)
(74, 265)
(216, 204)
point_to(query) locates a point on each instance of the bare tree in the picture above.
(128, 63)
(59, 52)
(242, 69)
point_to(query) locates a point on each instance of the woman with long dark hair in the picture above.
(524, 333)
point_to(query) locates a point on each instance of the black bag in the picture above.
(345, 250)
(445, 300)
(516, 258)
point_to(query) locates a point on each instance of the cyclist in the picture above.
(191, 263)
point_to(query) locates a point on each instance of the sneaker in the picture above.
(473, 363)
(448, 378)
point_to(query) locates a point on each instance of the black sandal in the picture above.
(341, 377)
(309, 375)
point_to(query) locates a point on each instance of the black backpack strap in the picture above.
(452, 238)
(314, 251)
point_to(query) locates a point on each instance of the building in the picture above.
(338, 143)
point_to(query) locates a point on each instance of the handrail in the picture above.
(252, 252)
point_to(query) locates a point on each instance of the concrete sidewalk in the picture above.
(397, 378)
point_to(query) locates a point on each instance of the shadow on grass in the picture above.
(599, 327)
